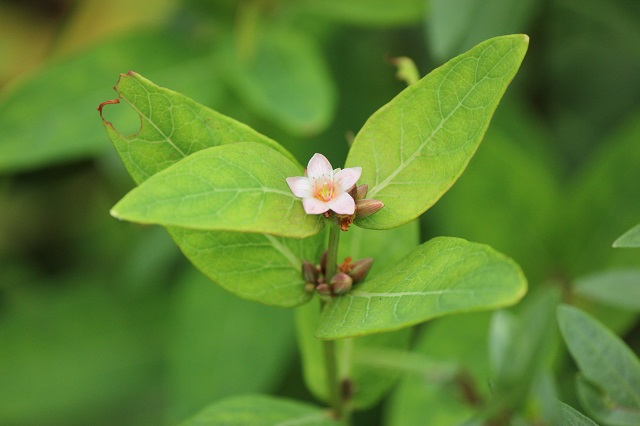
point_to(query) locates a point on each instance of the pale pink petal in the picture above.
(319, 166)
(346, 178)
(300, 186)
(343, 204)
(314, 206)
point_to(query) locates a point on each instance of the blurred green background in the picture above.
(103, 322)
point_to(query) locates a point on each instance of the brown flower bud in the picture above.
(362, 191)
(309, 272)
(309, 287)
(341, 283)
(365, 208)
(323, 289)
(360, 269)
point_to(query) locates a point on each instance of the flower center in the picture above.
(324, 189)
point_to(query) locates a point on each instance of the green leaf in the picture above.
(456, 25)
(283, 77)
(619, 287)
(631, 238)
(414, 148)
(219, 349)
(259, 410)
(172, 127)
(367, 12)
(50, 116)
(257, 267)
(237, 187)
(572, 417)
(442, 276)
(610, 370)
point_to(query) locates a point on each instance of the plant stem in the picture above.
(331, 364)
(246, 28)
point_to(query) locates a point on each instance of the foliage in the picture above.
(106, 322)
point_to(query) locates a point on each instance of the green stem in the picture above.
(333, 383)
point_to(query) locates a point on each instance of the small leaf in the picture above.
(237, 187)
(456, 25)
(572, 417)
(284, 78)
(631, 238)
(259, 410)
(414, 148)
(618, 287)
(442, 276)
(611, 371)
(367, 12)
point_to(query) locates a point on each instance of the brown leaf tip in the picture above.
(110, 102)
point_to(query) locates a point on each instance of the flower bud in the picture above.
(323, 289)
(309, 287)
(360, 269)
(341, 283)
(309, 272)
(365, 208)
(362, 191)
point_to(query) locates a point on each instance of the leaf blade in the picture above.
(238, 187)
(425, 285)
(631, 238)
(411, 182)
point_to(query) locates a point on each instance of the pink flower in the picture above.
(324, 189)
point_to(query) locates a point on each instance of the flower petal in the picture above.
(314, 206)
(300, 186)
(319, 166)
(343, 204)
(346, 178)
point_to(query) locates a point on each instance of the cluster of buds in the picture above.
(364, 207)
(349, 273)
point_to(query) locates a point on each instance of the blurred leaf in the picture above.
(611, 371)
(606, 189)
(379, 13)
(619, 288)
(519, 346)
(220, 345)
(50, 117)
(414, 148)
(369, 383)
(631, 238)
(283, 77)
(75, 350)
(259, 410)
(457, 25)
(253, 266)
(442, 276)
(438, 397)
(572, 417)
(236, 187)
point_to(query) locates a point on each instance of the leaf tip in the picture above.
(109, 102)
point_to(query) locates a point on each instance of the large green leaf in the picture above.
(572, 417)
(631, 238)
(49, 116)
(610, 386)
(210, 331)
(414, 148)
(283, 77)
(442, 276)
(237, 187)
(456, 25)
(259, 410)
(617, 287)
(172, 127)
(253, 266)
